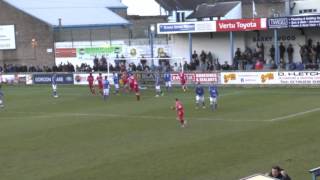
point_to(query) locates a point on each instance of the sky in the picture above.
(142, 7)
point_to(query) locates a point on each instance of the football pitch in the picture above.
(80, 137)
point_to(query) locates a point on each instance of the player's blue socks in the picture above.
(214, 107)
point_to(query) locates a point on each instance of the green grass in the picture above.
(80, 137)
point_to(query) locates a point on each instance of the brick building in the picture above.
(39, 25)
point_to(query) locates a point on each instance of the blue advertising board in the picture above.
(177, 27)
(278, 23)
(186, 27)
(46, 78)
(304, 21)
(294, 22)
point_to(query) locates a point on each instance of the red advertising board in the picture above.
(205, 78)
(66, 52)
(241, 25)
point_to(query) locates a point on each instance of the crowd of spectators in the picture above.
(250, 59)
(10, 68)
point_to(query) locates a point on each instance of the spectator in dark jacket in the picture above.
(279, 173)
(282, 50)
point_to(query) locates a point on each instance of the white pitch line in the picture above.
(36, 115)
(294, 115)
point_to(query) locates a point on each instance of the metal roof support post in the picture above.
(190, 47)
(110, 36)
(72, 39)
(231, 47)
(151, 45)
(90, 37)
(152, 33)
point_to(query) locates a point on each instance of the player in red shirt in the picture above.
(180, 112)
(183, 80)
(100, 83)
(90, 80)
(136, 89)
(131, 80)
(124, 78)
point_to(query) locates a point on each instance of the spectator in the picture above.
(225, 66)
(300, 67)
(318, 52)
(259, 65)
(290, 52)
(273, 65)
(186, 66)
(195, 55)
(238, 54)
(175, 67)
(143, 61)
(210, 58)
(282, 50)
(272, 52)
(279, 173)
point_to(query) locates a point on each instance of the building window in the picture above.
(310, 10)
(300, 11)
(314, 10)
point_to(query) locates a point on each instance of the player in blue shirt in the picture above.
(213, 91)
(200, 96)
(106, 88)
(54, 85)
(116, 82)
(167, 80)
(1, 96)
(158, 85)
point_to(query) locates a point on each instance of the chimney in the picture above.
(60, 22)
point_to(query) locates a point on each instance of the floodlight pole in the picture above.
(152, 33)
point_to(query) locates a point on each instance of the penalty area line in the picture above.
(290, 116)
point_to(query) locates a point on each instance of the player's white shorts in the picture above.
(116, 86)
(106, 92)
(200, 98)
(213, 100)
(168, 84)
(54, 87)
(158, 88)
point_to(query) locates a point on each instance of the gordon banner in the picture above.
(241, 25)
(46, 78)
